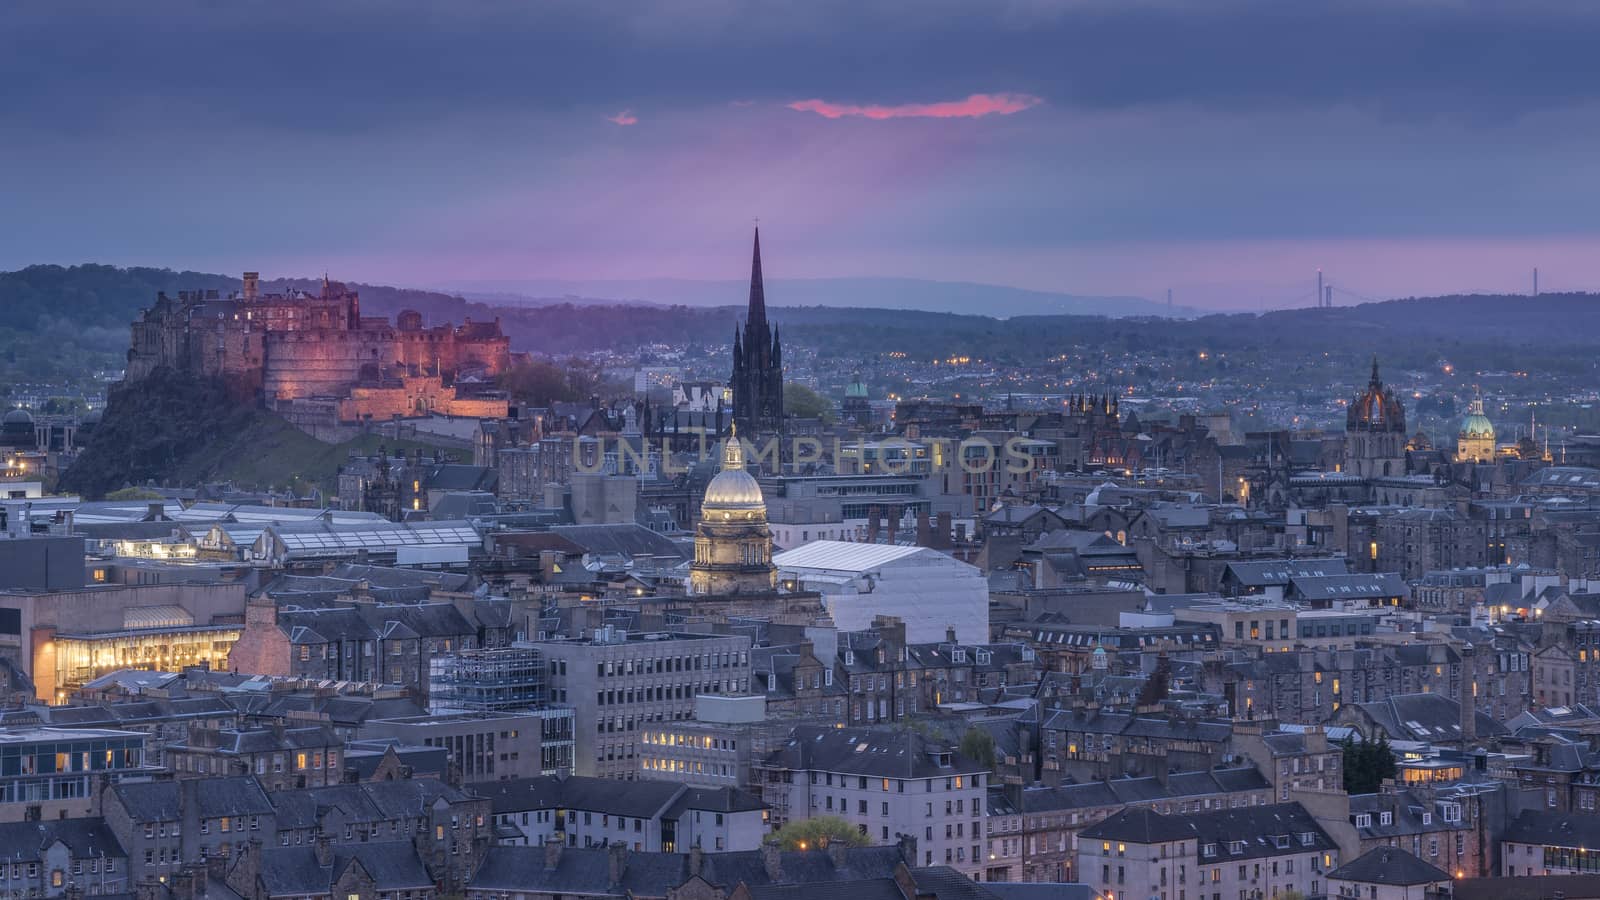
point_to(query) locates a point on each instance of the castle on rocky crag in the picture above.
(315, 360)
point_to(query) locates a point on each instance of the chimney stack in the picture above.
(617, 856)
(1469, 694)
(924, 530)
(772, 860)
(836, 853)
(251, 284)
(552, 854)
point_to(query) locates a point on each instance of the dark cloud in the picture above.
(316, 66)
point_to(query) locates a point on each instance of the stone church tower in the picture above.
(1375, 432)
(733, 549)
(757, 380)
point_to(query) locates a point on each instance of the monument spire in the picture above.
(758, 295)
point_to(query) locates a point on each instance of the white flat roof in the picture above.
(843, 556)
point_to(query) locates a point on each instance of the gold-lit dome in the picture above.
(732, 545)
(733, 488)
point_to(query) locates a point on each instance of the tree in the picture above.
(801, 401)
(133, 493)
(817, 833)
(538, 382)
(1367, 764)
(978, 745)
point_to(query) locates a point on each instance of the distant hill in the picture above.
(994, 300)
(57, 319)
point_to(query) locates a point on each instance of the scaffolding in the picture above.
(504, 679)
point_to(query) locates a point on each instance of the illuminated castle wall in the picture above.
(284, 348)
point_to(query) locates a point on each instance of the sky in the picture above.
(1223, 149)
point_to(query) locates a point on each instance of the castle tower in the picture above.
(733, 547)
(757, 379)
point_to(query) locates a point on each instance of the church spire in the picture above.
(758, 294)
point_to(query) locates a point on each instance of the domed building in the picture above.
(17, 430)
(733, 547)
(857, 407)
(1375, 431)
(1475, 442)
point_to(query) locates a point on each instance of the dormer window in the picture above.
(1386, 818)
(1209, 850)
(849, 657)
(1281, 841)
(1236, 847)
(959, 654)
(1364, 820)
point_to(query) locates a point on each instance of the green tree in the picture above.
(539, 382)
(133, 493)
(817, 833)
(978, 745)
(801, 401)
(1367, 764)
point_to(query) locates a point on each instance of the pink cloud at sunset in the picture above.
(626, 117)
(973, 107)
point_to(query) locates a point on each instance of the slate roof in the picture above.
(1389, 865)
(294, 871)
(1183, 729)
(1282, 571)
(875, 753)
(150, 801)
(1258, 827)
(1019, 890)
(264, 740)
(1525, 887)
(1121, 791)
(1430, 718)
(866, 889)
(630, 539)
(369, 621)
(1555, 829)
(372, 801)
(163, 801)
(587, 871)
(1346, 587)
(363, 758)
(634, 799)
(86, 838)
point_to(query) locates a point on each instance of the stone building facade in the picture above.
(287, 349)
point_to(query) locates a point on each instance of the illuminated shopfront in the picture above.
(168, 641)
